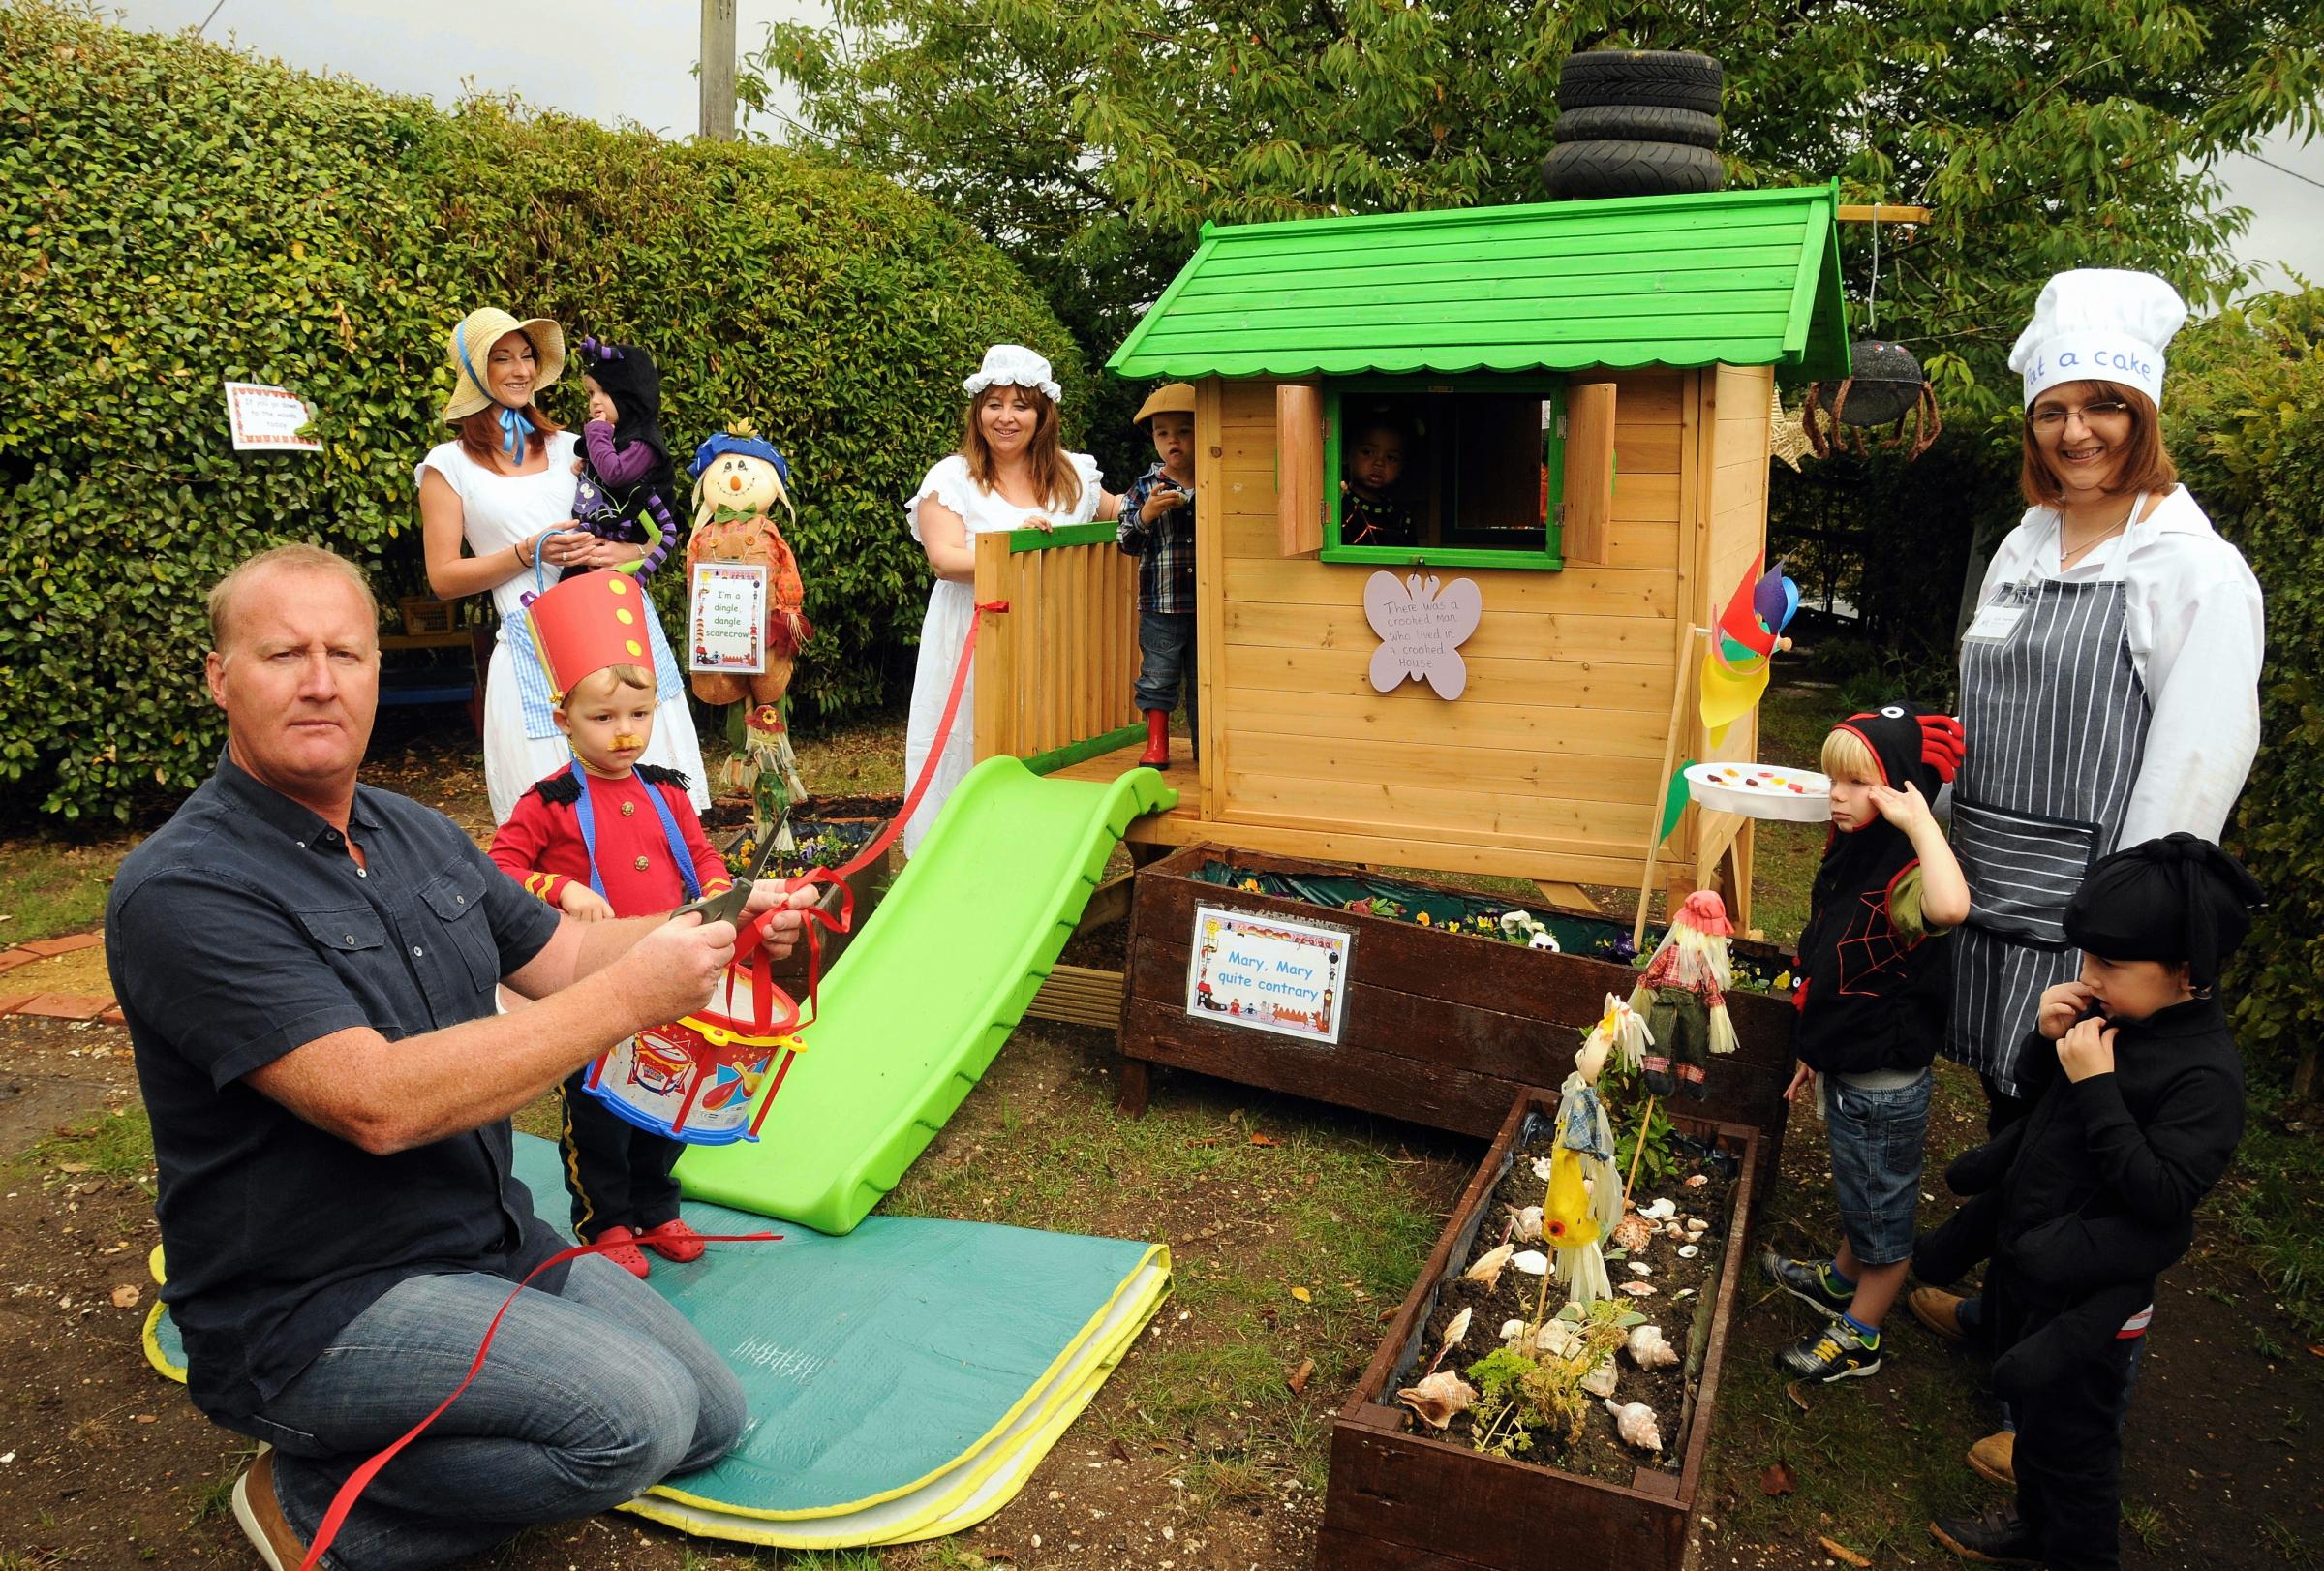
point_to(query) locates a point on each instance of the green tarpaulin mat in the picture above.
(904, 1379)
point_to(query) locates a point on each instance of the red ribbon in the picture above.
(360, 1479)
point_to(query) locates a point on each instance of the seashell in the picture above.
(1487, 1269)
(1695, 1181)
(1510, 1331)
(1558, 1339)
(1457, 1328)
(1529, 1224)
(1438, 1397)
(1695, 1224)
(1648, 1350)
(1601, 1381)
(1634, 1422)
(1688, 1251)
(1673, 1230)
(1659, 1210)
(1639, 1268)
(1541, 1168)
(1532, 1262)
(1632, 1231)
(1637, 1289)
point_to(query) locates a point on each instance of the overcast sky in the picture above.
(617, 60)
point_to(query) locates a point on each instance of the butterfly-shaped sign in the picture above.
(1422, 627)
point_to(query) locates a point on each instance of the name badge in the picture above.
(1994, 624)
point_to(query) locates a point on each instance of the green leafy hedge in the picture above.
(175, 215)
(2245, 420)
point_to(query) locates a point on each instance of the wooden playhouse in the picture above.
(1585, 389)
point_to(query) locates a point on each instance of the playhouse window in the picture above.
(1462, 474)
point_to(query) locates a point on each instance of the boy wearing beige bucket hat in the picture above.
(1157, 528)
(477, 385)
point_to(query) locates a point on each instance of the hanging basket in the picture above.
(1885, 388)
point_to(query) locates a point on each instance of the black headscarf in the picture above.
(631, 380)
(2178, 899)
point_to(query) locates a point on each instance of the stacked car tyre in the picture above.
(1635, 123)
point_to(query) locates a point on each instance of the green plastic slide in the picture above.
(922, 1000)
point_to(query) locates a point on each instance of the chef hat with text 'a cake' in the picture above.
(2098, 324)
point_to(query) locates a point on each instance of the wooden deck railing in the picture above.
(1053, 671)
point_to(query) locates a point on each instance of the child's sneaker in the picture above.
(1811, 1282)
(1833, 1353)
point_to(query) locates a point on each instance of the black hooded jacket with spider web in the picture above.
(1871, 999)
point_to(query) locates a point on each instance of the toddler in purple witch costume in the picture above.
(626, 479)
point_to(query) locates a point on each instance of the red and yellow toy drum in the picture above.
(696, 1078)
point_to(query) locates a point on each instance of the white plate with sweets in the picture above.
(1757, 790)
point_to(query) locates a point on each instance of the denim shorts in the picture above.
(1877, 1138)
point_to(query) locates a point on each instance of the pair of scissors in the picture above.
(726, 906)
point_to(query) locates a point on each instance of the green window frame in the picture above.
(1548, 555)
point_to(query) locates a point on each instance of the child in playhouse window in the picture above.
(1157, 528)
(1370, 511)
(2079, 1205)
(1872, 1003)
(608, 835)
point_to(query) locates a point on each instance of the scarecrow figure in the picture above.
(1583, 1201)
(739, 478)
(1683, 996)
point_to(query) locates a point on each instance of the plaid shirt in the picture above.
(1163, 548)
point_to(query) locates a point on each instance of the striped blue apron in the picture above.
(2057, 718)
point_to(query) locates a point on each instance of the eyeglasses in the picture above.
(2051, 417)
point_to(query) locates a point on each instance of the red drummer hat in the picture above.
(588, 623)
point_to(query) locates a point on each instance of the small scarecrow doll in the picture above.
(627, 488)
(1683, 996)
(739, 481)
(1584, 1200)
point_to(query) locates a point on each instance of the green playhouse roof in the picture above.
(1744, 277)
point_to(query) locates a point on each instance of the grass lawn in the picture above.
(1296, 1228)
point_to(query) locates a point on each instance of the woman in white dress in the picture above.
(1011, 473)
(505, 487)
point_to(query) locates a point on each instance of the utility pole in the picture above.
(718, 71)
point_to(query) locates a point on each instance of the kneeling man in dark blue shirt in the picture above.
(307, 966)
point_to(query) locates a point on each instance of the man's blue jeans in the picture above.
(588, 1398)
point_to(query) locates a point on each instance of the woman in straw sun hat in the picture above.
(504, 488)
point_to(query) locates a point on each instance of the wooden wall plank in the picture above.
(1414, 717)
(1622, 640)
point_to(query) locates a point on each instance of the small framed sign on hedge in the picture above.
(1268, 974)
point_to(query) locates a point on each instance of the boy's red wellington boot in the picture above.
(1157, 739)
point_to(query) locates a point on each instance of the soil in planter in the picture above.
(1682, 1287)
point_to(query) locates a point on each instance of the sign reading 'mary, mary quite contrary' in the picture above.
(1269, 973)
(1422, 627)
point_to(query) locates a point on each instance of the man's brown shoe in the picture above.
(1994, 1458)
(1940, 1311)
(260, 1515)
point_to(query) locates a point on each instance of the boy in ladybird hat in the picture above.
(608, 835)
(1157, 528)
(1875, 978)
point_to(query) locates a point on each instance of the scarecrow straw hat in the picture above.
(469, 350)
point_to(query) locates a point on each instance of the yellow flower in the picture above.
(1423, 918)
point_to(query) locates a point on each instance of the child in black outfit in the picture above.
(627, 482)
(1875, 975)
(2082, 1203)
(1370, 514)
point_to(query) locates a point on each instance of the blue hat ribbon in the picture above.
(515, 430)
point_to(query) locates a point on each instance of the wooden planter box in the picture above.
(1437, 1028)
(1398, 1500)
(870, 883)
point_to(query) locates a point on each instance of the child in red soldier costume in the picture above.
(609, 837)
